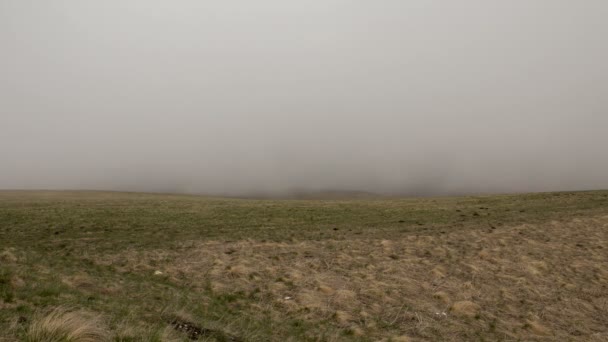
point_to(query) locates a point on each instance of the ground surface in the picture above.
(159, 267)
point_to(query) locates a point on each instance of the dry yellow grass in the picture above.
(530, 282)
(160, 267)
(63, 325)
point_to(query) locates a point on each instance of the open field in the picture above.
(151, 267)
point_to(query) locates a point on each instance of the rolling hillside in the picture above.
(150, 267)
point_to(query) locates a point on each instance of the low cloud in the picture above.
(277, 98)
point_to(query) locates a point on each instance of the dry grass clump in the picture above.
(64, 325)
(88, 284)
(465, 308)
(8, 256)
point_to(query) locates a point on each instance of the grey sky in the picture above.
(400, 96)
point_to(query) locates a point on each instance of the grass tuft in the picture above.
(64, 325)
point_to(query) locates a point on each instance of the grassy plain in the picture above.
(156, 267)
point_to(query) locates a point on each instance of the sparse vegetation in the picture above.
(141, 267)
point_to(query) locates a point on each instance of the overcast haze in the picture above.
(239, 97)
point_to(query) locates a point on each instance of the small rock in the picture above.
(441, 314)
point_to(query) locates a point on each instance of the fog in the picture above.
(411, 97)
